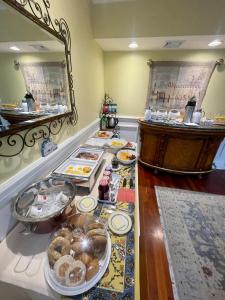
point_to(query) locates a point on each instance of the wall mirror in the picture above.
(36, 85)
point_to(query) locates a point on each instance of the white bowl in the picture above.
(122, 141)
(126, 162)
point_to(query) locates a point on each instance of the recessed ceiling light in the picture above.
(215, 43)
(14, 48)
(133, 45)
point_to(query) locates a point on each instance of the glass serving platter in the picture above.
(43, 200)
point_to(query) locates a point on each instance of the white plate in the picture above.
(119, 222)
(109, 134)
(86, 204)
(126, 162)
(122, 141)
(82, 288)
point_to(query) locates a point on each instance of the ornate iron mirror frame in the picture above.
(13, 141)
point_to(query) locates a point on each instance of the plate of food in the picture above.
(78, 255)
(76, 168)
(126, 156)
(130, 145)
(104, 134)
(117, 143)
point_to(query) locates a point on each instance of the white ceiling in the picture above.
(157, 43)
(32, 47)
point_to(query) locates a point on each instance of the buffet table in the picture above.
(23, 256)
(178, 148)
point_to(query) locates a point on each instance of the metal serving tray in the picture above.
(48, 187)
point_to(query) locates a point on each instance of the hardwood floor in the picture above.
(155, 283)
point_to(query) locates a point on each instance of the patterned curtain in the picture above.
(173, 83)
(47, 82)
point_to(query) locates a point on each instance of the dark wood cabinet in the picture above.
(179, 149)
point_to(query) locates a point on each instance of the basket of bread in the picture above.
(78, 255)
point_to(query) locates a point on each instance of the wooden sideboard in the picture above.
(179, 149)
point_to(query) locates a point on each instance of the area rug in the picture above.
(194, 233)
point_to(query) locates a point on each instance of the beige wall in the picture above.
(87, 60)
(141, 18)
(12, 85)
(127, 75)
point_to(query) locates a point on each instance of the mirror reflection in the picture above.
(33, 77)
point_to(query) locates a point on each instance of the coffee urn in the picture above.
(189, 109)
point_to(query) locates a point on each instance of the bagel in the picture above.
(75, 275)
(58, 247)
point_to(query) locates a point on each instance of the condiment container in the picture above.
(107, 178)
(103, 190)
(115, 163)
(108, 174)
(196, 117)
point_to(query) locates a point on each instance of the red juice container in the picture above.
(103, 190)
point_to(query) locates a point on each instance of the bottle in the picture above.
(115, 162)
(103, 123)
(103, 190)
(197, 115)
(30, 101)
(189, 109)
(24, 105)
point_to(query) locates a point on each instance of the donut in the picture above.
(92, 269)
(66, 233)
(75, 275)
(58, 247)
(62, 265)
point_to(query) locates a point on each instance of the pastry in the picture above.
(62, 265)
(95, 225)
(84, 245)
(97, 231)
(85, 258)
(99, 243)
(77, 235)
(78, 221)
(92, 269)
(75, 275)
(58, 247)
(66, 233)
(77, 248)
